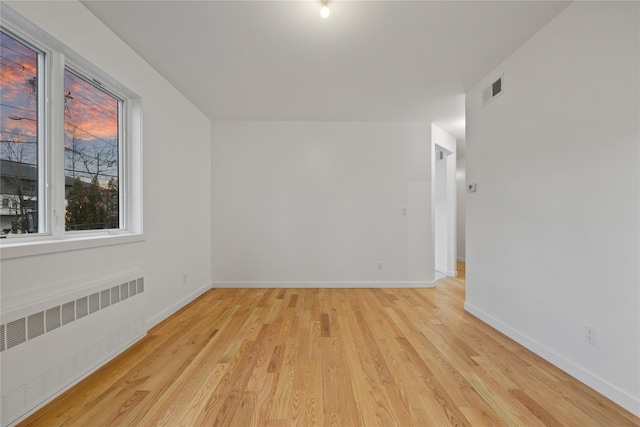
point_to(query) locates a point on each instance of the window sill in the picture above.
(10, 248)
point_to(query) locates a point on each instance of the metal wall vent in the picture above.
(492, 91)
(124, 291)
(115, 294)
(94, 303)
(37, 324)
(16, 332)
(68, 312)
(82, 307)
(53, 318)
(105, 298)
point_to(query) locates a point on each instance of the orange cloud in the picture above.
(90, 113)
(14, 85)
(15, 96)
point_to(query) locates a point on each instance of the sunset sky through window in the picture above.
(18, 105)
(90, 130)
(90, 116)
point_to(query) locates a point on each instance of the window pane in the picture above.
(91, 155)
(18, 136)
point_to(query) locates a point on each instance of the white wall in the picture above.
(553, 229)
(320, 204)
(461, 194)
(177, 196)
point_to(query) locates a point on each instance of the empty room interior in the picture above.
(356, 213)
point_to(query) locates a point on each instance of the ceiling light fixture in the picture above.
(324, 10)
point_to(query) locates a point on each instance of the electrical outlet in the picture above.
(379, 265)
(590, 335)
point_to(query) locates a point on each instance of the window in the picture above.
(70, 142)
(19, 109)
(91, 155)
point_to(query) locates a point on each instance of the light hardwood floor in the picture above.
(349, 357)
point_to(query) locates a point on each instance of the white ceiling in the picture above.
(369, 61)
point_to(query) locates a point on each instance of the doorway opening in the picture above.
(444, 209)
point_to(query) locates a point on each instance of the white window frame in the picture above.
(52, 236)
(123, 119)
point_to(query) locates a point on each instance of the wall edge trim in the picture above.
(319, 284)
(608, 390)
(164, 314)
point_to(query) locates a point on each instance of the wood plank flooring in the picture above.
(335, 357)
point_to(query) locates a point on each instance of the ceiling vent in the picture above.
(494, 90)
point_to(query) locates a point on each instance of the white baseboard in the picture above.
(462, 259)
(452, 273)
(324, 284)
(154, 320)
(621, 397)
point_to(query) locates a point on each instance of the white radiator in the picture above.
(48, 347)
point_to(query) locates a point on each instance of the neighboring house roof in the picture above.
(10, 170)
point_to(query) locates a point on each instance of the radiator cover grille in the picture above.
(29, 395)
(34, 325)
